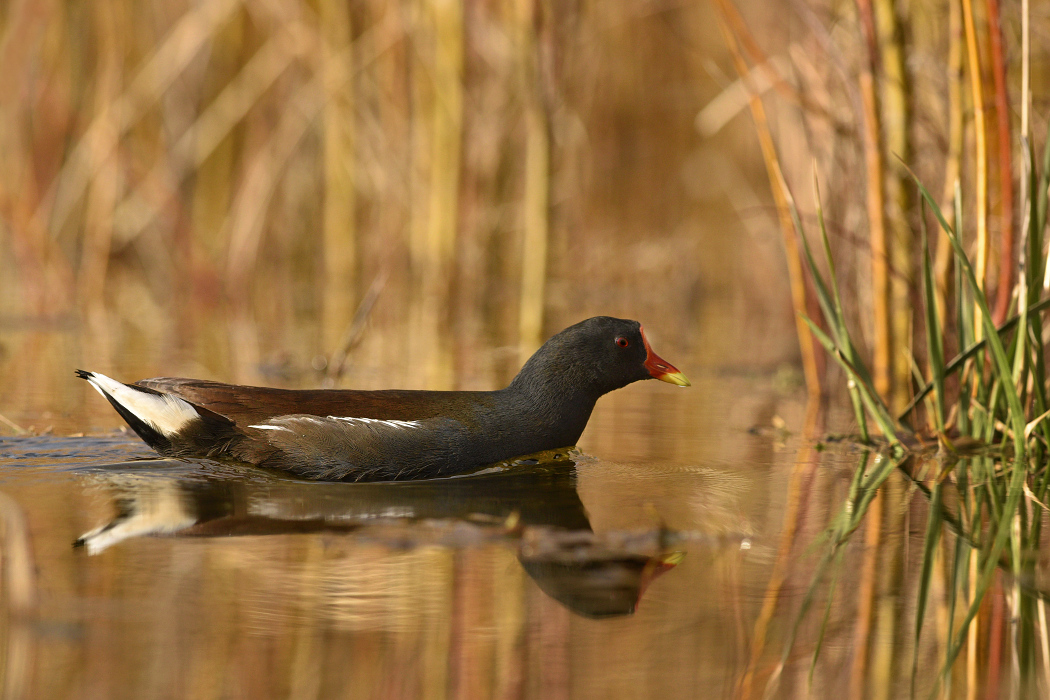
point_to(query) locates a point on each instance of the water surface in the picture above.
(613, 572)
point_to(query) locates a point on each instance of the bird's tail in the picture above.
(167, 423)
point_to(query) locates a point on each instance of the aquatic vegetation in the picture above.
(999, 401)
(960, 442)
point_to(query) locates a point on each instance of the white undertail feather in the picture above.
(165, 413)
(156, 510)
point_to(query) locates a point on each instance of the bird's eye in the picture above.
(622, 342)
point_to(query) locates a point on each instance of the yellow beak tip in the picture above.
(674, 378)
(673, 559)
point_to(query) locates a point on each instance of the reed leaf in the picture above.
(836, 569)
(959, 361)
(991, 562)
(1001, 364)
(934, 340)
(845, 342)
(867, 394)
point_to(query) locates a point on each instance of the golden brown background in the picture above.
(213, 189)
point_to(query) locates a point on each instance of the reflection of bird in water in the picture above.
(343, 435)
(534, 507)
(601, 583)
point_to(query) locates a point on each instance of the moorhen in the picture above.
(347, 435)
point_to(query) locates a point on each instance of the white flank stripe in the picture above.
(376, 421)
(291, 423)
(164, 413)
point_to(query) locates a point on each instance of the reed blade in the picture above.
(934, 340)
(929, 551)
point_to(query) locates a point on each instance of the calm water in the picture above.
(637, 568)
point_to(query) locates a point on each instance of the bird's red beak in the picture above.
(656, 567)
(660, 368)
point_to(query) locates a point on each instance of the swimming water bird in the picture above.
(349, 435)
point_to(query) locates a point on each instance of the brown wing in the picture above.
(248, 404)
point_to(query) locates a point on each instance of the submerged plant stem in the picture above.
(800, 477)
(866, 599)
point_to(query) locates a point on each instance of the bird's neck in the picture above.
(550, 405)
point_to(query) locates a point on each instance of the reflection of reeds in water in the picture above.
(401, 593)
(18, 593)
(449, 621)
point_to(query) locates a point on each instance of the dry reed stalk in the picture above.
(1006, 170)
(246, 223)
(953, 161)
(19, 430)
(981, 155)
(420, 335)
(212, 157)
(733, 99)
(340, 233)
(876, 206)
(1026, 69)
(438, 129)
(782, 198)
(865, 616)
(536, 199)
(211, 130)
(46, 278)
(762, 62)
(104, 188)
(245, 226)
(732, 582)
(179, 48)
(354, 331)
(768, 72)
(895, 116)
(19, 36)
(445, 157)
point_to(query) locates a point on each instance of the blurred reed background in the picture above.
(368, 194)
(417, 194)
(856, 95)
